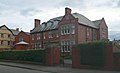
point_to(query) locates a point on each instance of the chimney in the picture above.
(36, 23)
(67, 10)
(17, 29)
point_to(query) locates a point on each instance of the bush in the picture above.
(24, 55)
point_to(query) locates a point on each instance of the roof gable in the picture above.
(97, 22)
(26, 33)
(5, 27)
(83, 20)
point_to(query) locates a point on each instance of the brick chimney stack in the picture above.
(36, 22)
(17, 29)
(67, 10)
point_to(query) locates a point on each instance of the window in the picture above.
(64, 30)
(94, 34)
(67, 29)
(44, 36)
(50, 34)
(72, 29)
(8, 35)
(13, 43)
(8, 42)
(32, 45)
(2, 35)
(39, 45)
(1, 42)
(35, 46)
(65, 46)
(21, 39)
(32, 36)
(57, 35)
(88, 32)
(38, 36)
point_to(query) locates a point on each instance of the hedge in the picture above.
(92, 53)
(24, 55)
(116, 54)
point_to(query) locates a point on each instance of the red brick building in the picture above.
(67, 30)
(21, 39)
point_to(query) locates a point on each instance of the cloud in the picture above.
(118, 3)
(73, 3)
(88, 4)
(21, 13)
(14, 20)
(29, 11)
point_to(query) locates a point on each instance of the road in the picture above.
(9, 69)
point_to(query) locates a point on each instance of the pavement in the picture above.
(9, 69)
(53, 69)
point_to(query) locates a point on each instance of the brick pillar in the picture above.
(56, 57)
(49, 56)
(76, 58)
(108, 57)
(52, 56)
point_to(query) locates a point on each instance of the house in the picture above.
(22, 41)
(6, 38)
(64, 31)
(15, 33)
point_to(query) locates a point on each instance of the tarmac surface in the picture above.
(52, 69)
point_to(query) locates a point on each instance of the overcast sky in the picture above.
(21, 13)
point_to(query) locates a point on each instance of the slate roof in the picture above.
(15, 32)
(97, 22)
(53, 23)
(27, 33)
(83, 20)
(49, 25)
